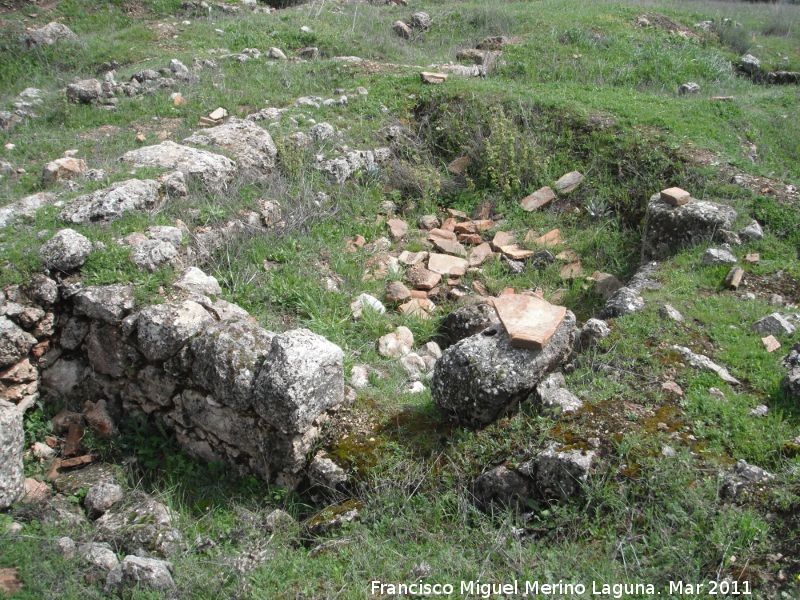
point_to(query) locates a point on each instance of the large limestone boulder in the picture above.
(668, 228)
(12, 474)
(213, 170)
(26, 207)
(227, 358)
(164, 329)
(15, 343)
(65, 251)
(252, 145)
(483, 376)
(113, 202)
(301, 378)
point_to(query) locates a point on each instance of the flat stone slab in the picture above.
(538, 199)
(675, 196)
(444, 264)
(530, 322)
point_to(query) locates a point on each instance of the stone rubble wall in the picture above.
(229, 389)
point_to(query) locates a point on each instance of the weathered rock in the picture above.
(396, 344)
(15, 343)
(63, 169)
(530, 322)
(670, 312)
(749, 64)
(110, 303)
(213, 170)
(774, 324)
(326, 475)
(43, 290)
(48, 35)
(469, 320)
(302, 376)
(482, 377)
(102, 496)
(365, 301)
(193, 280)
(743, 475)
(492, 43)
(624, 301)
(558, 474)
(669, 228)
(252, 145)
(12, 440)
(590, 334)
(690, 87)
(502, 486)
(397, 229)
(700, 361)
(108, 351)
(397, 293)
(227, 358)
(165, 328)
(790, 384)
(98, 419)
(537, 199)
(26, 207)
(140, 522)
(113, 202)
(151, 255)
(65, 251)
(98, 554)
(718, 256)
(85, 91)
(428, 222)
(141, 573)
(569, 182)
(554, 398)
(278, 520)
(421, 278)
(402, 30)
(421, 21)
(444, 264)
(752, 232)
(734, 278)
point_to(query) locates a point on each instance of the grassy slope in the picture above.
(643, 518)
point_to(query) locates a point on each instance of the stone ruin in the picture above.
(229, 389)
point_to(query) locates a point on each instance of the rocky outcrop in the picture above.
(48, 35)
(65, 251)
(252, 145)
(214, 171)
(669, 228)
(113, 202)
(483, 376)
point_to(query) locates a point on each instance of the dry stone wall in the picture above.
(229, 389)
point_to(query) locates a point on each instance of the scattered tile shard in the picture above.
(538, 199)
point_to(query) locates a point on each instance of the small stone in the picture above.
(365, 301)
(448, 247)
(675, 196)
(412, 258)
(516, 253)
(752, 232)
(753, 258)
(359, 377)
(65, 251)
(605, 284)
(688, 88)
(442, 235)
(63, 169)
(569, 182)
(759, 411)
(428, 222)
(479, 254)
(396, 344)
(102, 496)
(770, 343)
(447, 265)
(421, 278)
(537, 199)
(718, 256)
(734, 278)
(673, 388)
(433, 78)
(459, 166)
(668, 451)
(404, 31)
(571, 270)
(669, 312)
(502, 238)
(549, 239)
(217, 114)
(397, 293)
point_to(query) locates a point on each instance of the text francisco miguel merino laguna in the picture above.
(561, 588)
